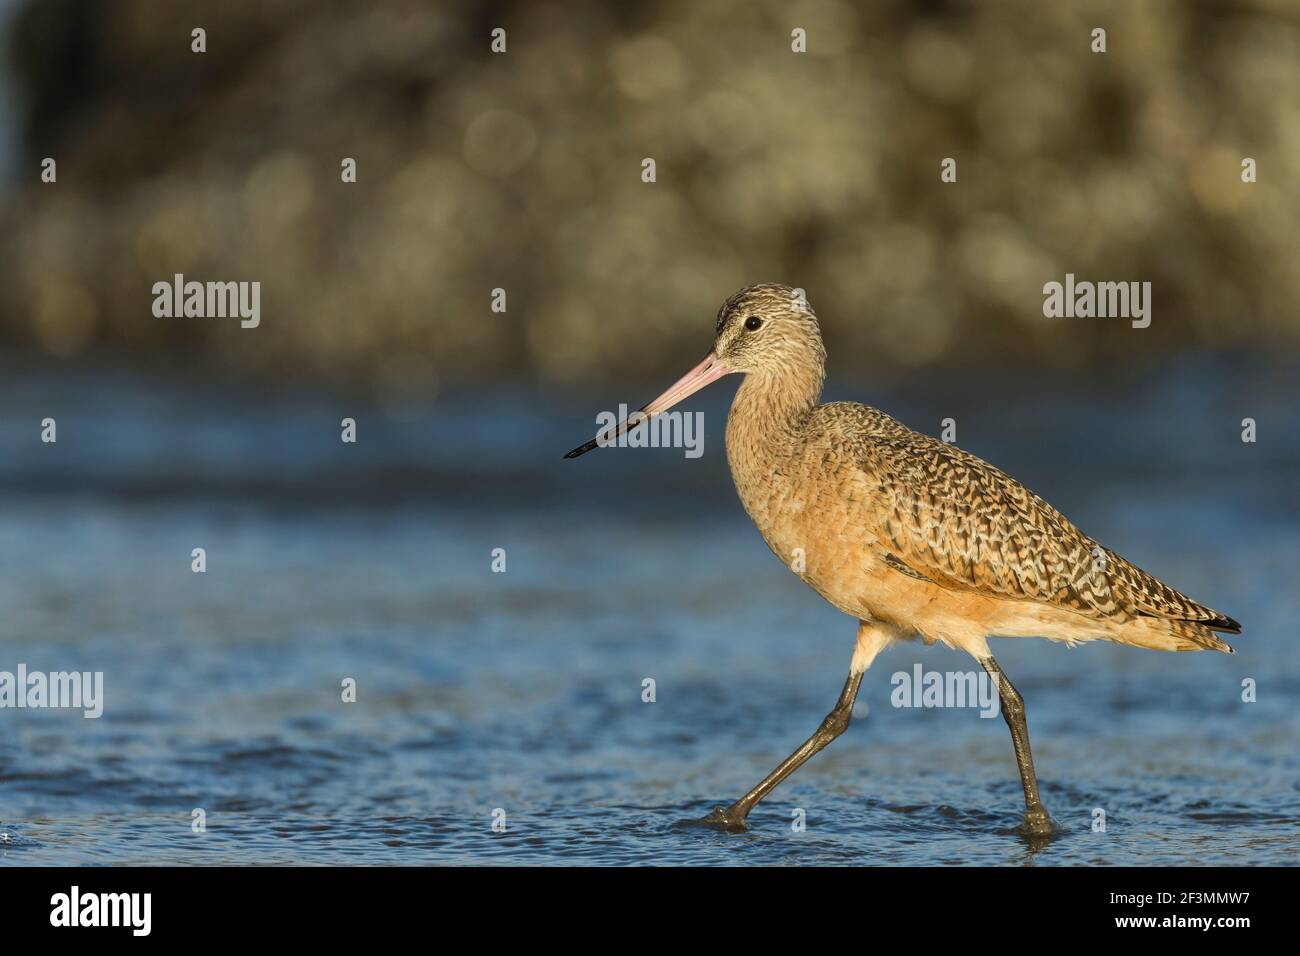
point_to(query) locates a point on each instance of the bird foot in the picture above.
(1038, 825)
(719, 819)
(725, 820)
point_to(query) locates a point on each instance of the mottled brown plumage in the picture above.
(899, 528)
(912, 536)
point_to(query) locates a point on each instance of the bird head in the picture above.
(767, 329)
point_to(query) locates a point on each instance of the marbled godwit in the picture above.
(910, 535)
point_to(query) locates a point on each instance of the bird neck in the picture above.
(768, 412)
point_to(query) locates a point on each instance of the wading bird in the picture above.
(908, 534)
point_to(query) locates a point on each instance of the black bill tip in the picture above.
(582, 449)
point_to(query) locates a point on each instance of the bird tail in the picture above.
(1202, 637)
(1163, 634)
(1197, 630)
(1163, 610)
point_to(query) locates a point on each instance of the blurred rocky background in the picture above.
(522, 171)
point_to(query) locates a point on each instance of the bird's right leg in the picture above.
(872, 638)
(1037, 822)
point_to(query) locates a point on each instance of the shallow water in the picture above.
(522, 691)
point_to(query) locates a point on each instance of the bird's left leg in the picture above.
(872, 638)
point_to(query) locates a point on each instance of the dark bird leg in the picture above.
(1037, 822)
(835, 723)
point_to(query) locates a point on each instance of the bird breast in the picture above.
(812, 512)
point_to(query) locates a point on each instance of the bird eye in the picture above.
(753, 322)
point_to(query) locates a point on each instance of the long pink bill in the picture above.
(708, 371)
